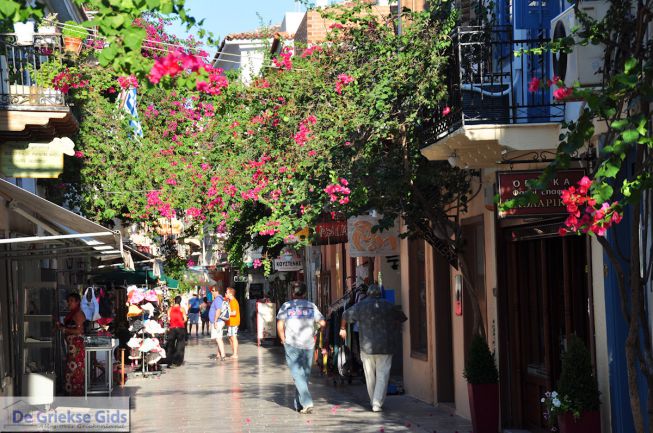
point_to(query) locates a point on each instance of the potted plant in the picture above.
(73, 36)
(575, 405)
(48, 25)
(482, 386)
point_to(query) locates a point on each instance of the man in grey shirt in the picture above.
(296, 322)
(378, 325)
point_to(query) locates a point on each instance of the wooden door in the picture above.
(546, 288)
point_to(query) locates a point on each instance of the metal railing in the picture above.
(489, 81)
(19, 88)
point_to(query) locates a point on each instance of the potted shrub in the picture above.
(482, 386)
(48, 25)
(575, 404)
(73, 36)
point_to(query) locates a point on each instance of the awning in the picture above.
(68, 234)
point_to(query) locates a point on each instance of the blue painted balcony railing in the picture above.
(488, 81)
(18, 62)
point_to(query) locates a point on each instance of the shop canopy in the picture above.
(66, 234)
(127, 277)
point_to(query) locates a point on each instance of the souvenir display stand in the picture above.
(147, 342)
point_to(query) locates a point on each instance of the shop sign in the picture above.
(332, 232)
(513, 183)
(34, 160)
(288, 264)
(266, 323)
(365, 242)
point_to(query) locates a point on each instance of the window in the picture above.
(417, 298)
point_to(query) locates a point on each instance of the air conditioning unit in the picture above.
(582, 65)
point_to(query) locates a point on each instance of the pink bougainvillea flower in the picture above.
(193, 212)
(563, 93)
(79, 154)
(336, 26)
(190, 263)
(257, 264)
(311, 50)
(342, 81)
(446, 110)
(171, 181)
(284, 60)
(125, 82)
(534, 85)
(312, 153)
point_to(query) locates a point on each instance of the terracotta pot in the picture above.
(588, 422)
(72, 45)
(484, 406)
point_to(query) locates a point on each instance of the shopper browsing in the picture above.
(218, 316)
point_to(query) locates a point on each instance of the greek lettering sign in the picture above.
(513, 183)
(332, 232)
(285, 264)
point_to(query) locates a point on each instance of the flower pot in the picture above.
(588, 422)
(484, 406)
(72, 45)
(24, 33)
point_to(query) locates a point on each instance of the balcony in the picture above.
(29, 112)
(492, 110)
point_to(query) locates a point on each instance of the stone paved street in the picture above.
(255, 393)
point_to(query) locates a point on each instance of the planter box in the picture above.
(72, 45)
(484, 406)
(588, 422)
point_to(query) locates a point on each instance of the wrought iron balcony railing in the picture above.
(489, 81)
(19, 63)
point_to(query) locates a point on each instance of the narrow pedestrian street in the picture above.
(255, 394)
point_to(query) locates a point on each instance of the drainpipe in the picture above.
(399, 17)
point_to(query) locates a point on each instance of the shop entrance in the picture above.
(543, 301)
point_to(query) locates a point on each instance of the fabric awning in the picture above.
(68, 234)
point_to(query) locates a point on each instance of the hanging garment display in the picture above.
(89, 305)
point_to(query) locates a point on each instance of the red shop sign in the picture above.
(332, 232)
(513, 183)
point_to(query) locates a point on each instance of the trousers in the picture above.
(299, 362)
(377, 375)
(176, 345)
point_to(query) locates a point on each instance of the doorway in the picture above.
(544, 300)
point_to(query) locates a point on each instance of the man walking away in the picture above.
(296, 329)
(234, 321)
(176, 334)
(218, 314)
(194, 315)
(378, 326)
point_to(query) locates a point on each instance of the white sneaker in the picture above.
(376, 408)
(306, 410)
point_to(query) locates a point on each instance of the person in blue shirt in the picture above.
(194, 315)
(217, 321)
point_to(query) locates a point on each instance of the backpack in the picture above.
(224, 312)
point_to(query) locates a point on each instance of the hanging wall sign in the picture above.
(332, 232)
(288, 264)
(513, 183)
(364, 242)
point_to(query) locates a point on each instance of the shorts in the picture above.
(217, 331)
(232, 331)
(193, 318)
